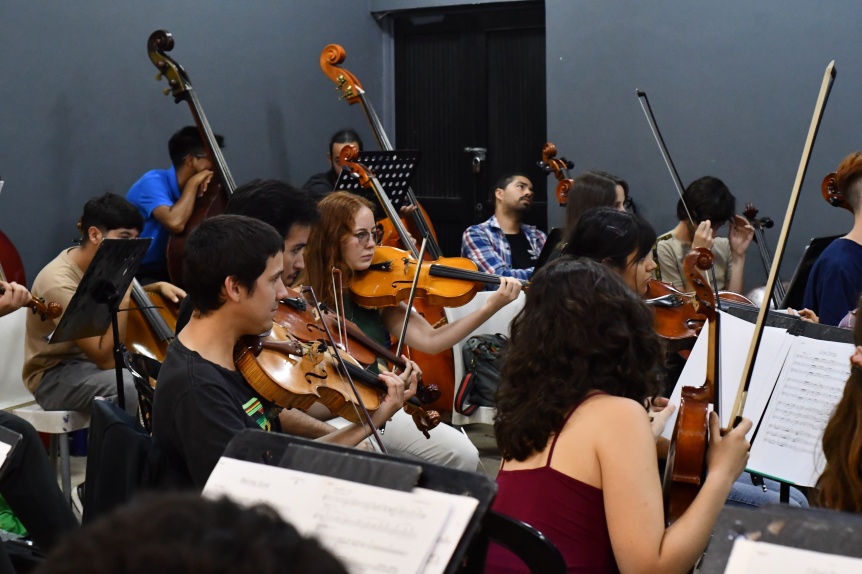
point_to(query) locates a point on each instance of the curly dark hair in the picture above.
(180, 533)
(581, 329)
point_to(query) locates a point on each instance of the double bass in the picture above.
(214, 200)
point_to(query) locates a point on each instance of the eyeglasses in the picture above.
(365, 237)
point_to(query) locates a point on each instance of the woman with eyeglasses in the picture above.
(345, 239)
(709, 206)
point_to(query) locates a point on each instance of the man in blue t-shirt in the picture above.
(166, 197)
(836, 279)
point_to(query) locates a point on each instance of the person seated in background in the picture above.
(322, 184)
(233, 268)
(578, 445)
(591, 189)
(166, 197)
(66, 376)
(594, 189)
(503, 245)
(183, 533)
(710, 205)
(840, 485)
(835, 282)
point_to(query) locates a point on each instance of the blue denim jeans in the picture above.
(745, 494)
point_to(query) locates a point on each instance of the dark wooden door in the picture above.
(471, 78)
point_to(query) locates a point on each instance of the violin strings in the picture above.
(364, 416)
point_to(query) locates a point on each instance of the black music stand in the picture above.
(393, 169)
(96, 301)
(277, 449)
(806, 528)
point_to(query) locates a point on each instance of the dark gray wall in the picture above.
(733, 86)
(81, 112)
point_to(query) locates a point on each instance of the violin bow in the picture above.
(411, 297)
(674, 174)
(825, 89)
(364, 414)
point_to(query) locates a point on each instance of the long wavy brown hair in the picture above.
(581, 329)
(840, 485)
(337, 218)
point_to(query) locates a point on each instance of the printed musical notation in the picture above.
(811, 383)
(370, 529)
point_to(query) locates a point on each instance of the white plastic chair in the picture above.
(498, 323)
(15, 397)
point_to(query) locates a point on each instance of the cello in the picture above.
(214, 200)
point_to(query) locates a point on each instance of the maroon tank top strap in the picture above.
(556, 436)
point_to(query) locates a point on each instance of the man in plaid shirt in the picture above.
(503, 245)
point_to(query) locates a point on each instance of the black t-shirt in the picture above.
(521, 258)
(198, 408)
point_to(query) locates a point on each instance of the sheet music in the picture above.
(788, 444)
(370, 529)
(736, 337)
(750, 557)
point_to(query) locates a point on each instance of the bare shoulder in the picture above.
(613, 417)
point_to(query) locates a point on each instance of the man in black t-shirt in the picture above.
(232, 268)
(503, 245)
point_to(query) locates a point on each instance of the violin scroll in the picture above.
(697, 261)
(831, 193)
(560, 168)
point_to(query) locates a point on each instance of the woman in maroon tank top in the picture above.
(579, 452)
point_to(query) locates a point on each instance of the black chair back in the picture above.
(116, 461)
(534, 549)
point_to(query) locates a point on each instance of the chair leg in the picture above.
(52, 451)
(65, 469)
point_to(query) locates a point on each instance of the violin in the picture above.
(305, 325)
(213, 201)
(677, 319)
(331, 59)
(560, 168)
(685, 470)
(295, 374)
(759, 225)
(449, 281)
